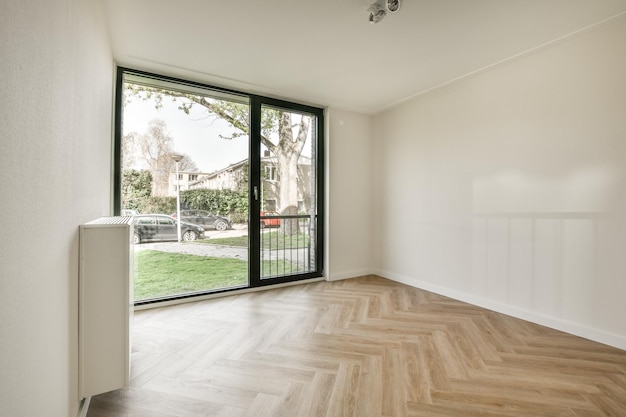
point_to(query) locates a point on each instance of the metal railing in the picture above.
(287, 245)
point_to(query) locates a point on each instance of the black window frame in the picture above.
(256, 102)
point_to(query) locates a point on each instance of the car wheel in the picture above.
(190, 235)
(262, 224)
(136, 239)
(221, 225)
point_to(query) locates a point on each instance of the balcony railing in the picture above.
(287, 245)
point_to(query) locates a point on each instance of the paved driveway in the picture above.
(200, 249)
(296, 256)
(204, 249)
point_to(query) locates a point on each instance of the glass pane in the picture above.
(288, 192)
(184, 154)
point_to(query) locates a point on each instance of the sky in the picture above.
(192, 134)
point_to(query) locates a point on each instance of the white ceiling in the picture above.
(325, 52)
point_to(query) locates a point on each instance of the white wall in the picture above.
(349, 194)
(55, 117)
(508, 189)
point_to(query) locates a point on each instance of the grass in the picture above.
(270, 240)
(160, 274)
(239, 241)
(164, 273)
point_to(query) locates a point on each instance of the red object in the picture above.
(269, 222)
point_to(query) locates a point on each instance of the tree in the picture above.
(154, 149)
(284, 134)
(185, 164)
(137, 187)
(137, 193)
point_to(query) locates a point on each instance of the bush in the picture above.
(136, 194)
(222, 202)
(239, 217)
(161, 205)
(136, 188)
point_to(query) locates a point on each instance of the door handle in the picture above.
(256, 193)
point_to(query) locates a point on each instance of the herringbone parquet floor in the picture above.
(361, 347)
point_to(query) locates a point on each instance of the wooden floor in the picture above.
(362, 347)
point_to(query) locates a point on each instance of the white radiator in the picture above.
(105, 304)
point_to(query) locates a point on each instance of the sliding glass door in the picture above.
(225, 187)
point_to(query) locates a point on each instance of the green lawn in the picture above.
(161, 274)
(269, 240)
(240, 241)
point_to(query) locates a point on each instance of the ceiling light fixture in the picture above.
(377, 13)
(379, 9)
(392, 6)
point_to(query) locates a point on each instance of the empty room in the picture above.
(358, 208)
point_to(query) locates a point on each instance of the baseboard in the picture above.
(84, 407)
(577, 329)
(338, 276)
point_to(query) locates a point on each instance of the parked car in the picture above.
(205, 219)
(269, 222)
(153, 227)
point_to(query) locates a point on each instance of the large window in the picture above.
(228, 186)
